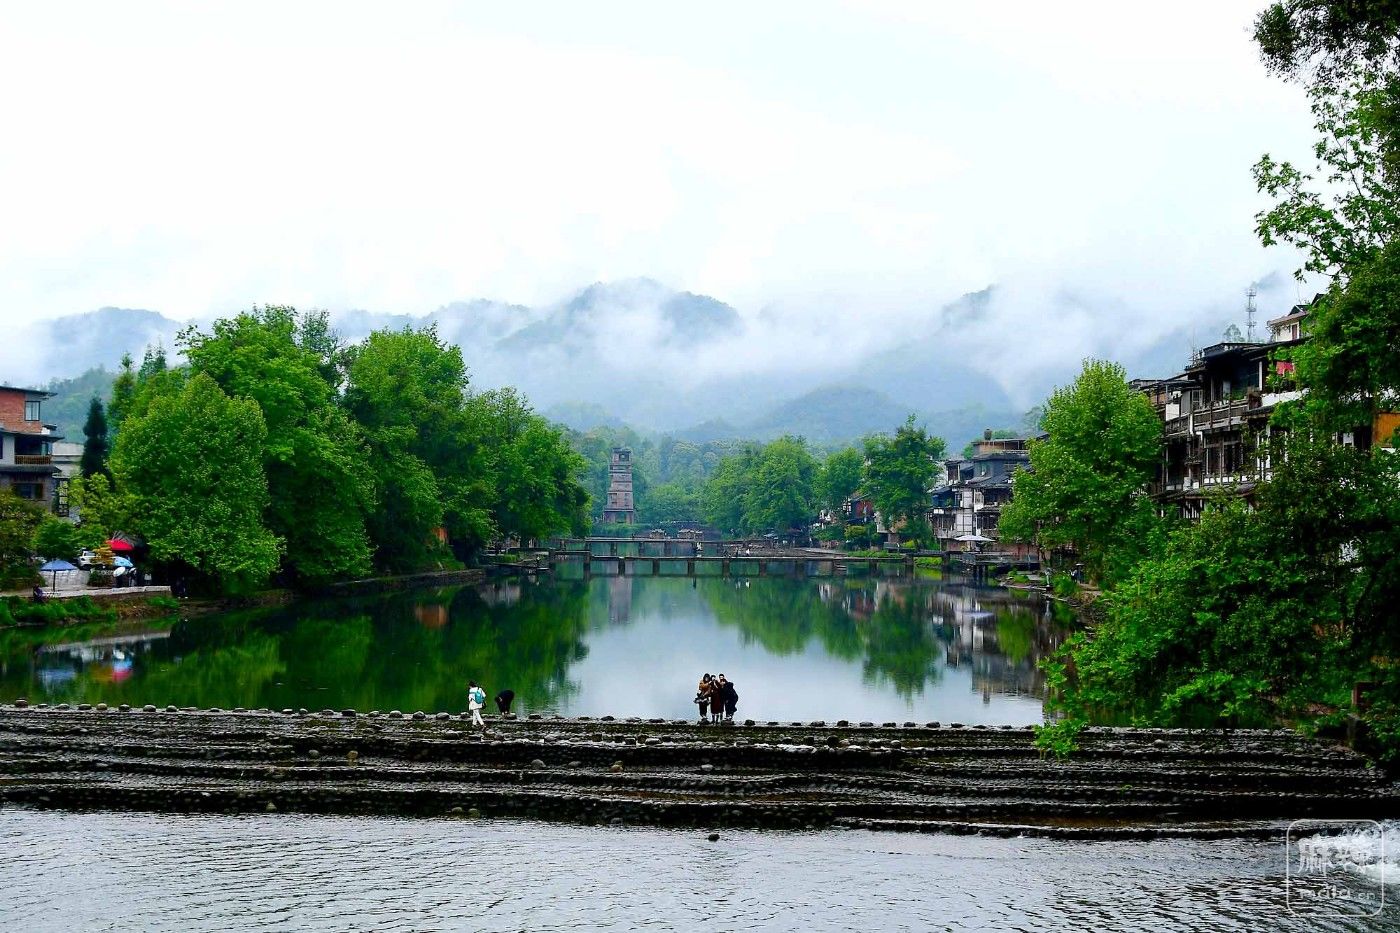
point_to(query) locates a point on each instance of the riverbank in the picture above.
(930, 777)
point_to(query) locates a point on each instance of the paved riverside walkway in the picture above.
(932, 777)
(99, 594)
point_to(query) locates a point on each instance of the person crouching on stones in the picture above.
(476, 699)
(702, 695)
(503, 701)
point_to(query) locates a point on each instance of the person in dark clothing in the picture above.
(504, 699)
(728, 698)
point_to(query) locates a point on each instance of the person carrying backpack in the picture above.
(476, 699)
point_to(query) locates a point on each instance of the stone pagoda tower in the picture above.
(619, 510)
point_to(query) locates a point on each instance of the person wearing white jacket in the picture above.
(476, 699)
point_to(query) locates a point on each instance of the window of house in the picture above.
(29, 490)
(31, 411)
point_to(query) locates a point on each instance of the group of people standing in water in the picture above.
(716, 698)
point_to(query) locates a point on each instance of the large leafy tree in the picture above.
(780, 493)
(192, 461)
(1087, 484)
(771, 488)
(18, 522)
(1258, 612)
(1327, 39)
(900, 471)
(94, 459)
(529, 477)
(319, 482)
(56, 539)
(840, 477)
(407, 391)
(102, 509)
(722, 501)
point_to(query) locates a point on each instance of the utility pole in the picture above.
(1249, 311)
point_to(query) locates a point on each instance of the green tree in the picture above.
(670, 502)
(19, 520)
(102, 510)
(899, 472)
(1256, 613)
(193, 464)
(123, 394)
(1347, 206)
(779, 493)
(532, 475)
(723, 500)
(285, 362)
(1087, 483)
(407, 391)
(840, 477)
(56, 539)
(94, 458)
(1327, 39)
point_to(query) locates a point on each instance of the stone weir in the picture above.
(928, 777)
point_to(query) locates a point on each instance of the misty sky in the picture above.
(864, 158)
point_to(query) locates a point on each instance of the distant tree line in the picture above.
(782, 485)
(667, 473)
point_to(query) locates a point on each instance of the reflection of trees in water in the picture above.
(903, 632)
(407, 651)
(417, 650)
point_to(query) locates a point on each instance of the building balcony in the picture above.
(34, 459)
(1219, 414)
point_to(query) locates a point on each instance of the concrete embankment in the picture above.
(915, 777)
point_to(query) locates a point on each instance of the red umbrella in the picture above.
(118, 545)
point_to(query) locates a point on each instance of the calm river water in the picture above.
(859, 649)
(103, 871)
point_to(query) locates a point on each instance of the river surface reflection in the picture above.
(119, 871)
(872, 649)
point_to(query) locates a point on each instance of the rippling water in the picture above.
(100, 871)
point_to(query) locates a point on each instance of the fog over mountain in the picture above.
(638, 352)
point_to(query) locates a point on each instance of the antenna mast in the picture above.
(1249, 311)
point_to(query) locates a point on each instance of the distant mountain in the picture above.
(631, 307)
(69, 406)
(932, 367)
(832, 414)
(582, 416)
(837, 415)
(79, 342)
(716, 429)
(639, 352)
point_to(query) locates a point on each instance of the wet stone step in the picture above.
(669, 774)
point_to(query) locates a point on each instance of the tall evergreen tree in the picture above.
(95, 441)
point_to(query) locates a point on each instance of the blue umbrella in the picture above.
(122, 562)
(54, 566)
